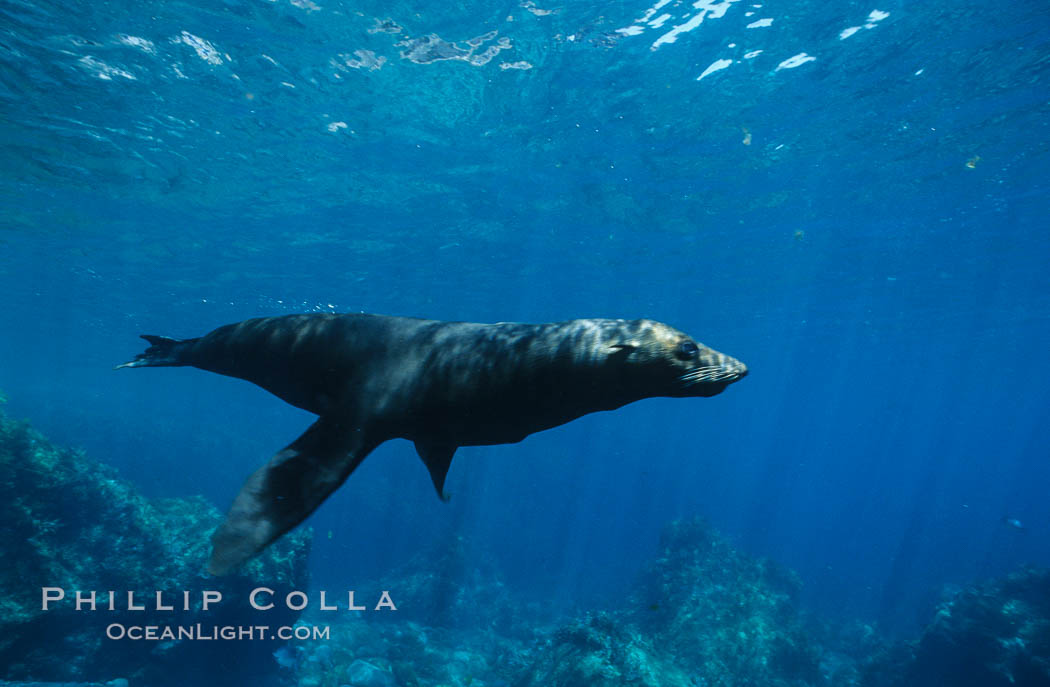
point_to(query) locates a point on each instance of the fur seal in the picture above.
(441, 385)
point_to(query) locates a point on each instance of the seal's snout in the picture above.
(729, 369)
(711, 373)
(733, 369)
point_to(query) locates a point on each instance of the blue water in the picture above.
(867, 230)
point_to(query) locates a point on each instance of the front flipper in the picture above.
(282, 493)
(437, 459)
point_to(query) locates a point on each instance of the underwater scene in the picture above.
(655, 343)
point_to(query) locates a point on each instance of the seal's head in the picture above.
(666, 362)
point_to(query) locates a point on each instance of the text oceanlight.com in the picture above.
(201, 632)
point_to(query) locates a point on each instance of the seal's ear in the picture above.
(622, 349)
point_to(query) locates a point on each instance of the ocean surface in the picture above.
(851, 198)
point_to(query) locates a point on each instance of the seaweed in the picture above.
(72, 523)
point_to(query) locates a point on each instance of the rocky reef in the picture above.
(703, 614)
(730, 618)
(367, 653)
(71, 523)
(991, 634)
(604, 650)
(454, 585)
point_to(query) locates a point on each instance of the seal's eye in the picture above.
(687, 350)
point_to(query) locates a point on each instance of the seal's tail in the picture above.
(162, 352)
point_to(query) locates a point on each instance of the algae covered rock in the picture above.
(451, 584)
(365, 674)
(728, 618)
(990, 634)
(377, 653)
(601, 650)
(72, 524)
(703, 614)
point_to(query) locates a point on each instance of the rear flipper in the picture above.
(162, 351)
(282, 493)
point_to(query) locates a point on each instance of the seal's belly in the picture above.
(486, 421)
